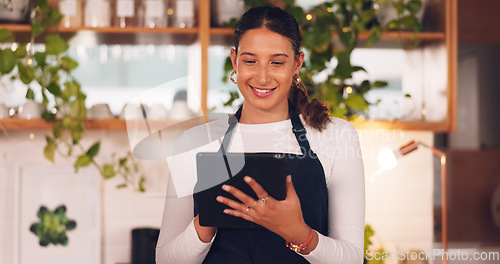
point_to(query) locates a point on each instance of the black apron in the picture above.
(261, 246)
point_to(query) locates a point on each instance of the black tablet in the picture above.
(215, 169)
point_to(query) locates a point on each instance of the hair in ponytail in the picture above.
(315, 112)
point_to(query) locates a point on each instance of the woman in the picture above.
(322, 218)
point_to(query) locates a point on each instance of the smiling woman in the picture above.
(321, 220)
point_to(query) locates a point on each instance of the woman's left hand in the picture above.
(281, 217)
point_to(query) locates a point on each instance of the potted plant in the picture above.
(61, 93)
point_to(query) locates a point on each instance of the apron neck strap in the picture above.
(297, 128)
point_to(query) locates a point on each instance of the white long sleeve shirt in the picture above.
(338, 150)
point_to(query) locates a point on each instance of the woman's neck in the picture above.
(251, 115)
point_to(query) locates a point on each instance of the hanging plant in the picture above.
(330, 34)
(62, 97)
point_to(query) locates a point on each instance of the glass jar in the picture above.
(125, 13)
(97, 13)
(72, 11)
(155, 13)
(184, 13)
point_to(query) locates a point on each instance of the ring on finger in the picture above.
(263, 200)
(248, 209)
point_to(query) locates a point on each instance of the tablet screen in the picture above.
(214, 169)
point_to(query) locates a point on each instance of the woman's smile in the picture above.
(262, 92)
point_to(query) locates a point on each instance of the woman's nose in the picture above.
(263, 75)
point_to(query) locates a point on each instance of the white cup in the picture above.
(99, 111)
(29, 110)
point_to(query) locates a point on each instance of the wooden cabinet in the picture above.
(440, 24)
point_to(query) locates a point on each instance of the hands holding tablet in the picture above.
(281, 217)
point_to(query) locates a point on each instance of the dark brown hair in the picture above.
(315, 112)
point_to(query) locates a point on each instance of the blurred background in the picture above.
(165, 60)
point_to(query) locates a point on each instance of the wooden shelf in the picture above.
(120, 124)
(113, 30)
(41, 124)
(424, 36)
(116, 35)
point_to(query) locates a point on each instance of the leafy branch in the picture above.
(62, 97)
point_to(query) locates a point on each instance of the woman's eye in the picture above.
(249, 61)
(277, 63)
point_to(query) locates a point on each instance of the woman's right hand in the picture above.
(205, 233)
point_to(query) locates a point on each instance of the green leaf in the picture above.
(414, 6)
(123, 185)
(141, 184)
(55, 45)
(228, 65)
(411, 22)
(92, 152)
(318, 41)
(36, 28)
(48, 115)
(54, 89)
(57, 130)
(358, 68)
(72, 88)
(40, 58)
(68, 64)
(82, 161)
(50, 149)
(76, 135)
(21, 51)
(379, 84)
(356, 101)
(399, 6)
(7, 60)
(344, 68)
(78, 108)
(30, 94)
(5, 35)
(374, 36)
(337, 111)
(367, 15)
(122, 161)
(108, 171)
(26, 73)
(67, 122)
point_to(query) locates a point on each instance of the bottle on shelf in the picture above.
(97, 13)
(154, 13)
(72, 11)
(125, 13)
(184, 13)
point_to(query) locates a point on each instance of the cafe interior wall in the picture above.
(399, 202)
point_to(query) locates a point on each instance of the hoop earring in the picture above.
(296, 80)
(231, 77)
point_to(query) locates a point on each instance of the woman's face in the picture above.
(265, 65)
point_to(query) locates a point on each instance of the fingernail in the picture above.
(247, 179)
(225, 187)
(226, 211)
(289, 178)
(220, 199)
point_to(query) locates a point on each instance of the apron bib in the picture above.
(261, 246)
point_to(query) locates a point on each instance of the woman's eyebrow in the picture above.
(274, 55)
